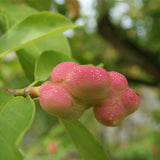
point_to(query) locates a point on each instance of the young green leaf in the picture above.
(47, 61)
(16, 115)
(33, 28)
(88, 147)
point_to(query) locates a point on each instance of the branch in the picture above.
(130, 50)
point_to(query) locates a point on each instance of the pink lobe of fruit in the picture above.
(54, 99)
(109, 115)
(130, 100)
(88, 83)
(119, 83)
(61, 70)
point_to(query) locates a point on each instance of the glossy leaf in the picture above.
(33, 28)
(47, 61)
(16, 115)
(88, 147)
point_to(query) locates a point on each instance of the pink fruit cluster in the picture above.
(74, 88)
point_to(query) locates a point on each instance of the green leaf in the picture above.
(28, 55)
(47, 61)
(27, 58)
(88, 147)
(33, 28)
(40, 4)
(16, 115)
(14, 12)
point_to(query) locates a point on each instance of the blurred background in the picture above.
(122, 36)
